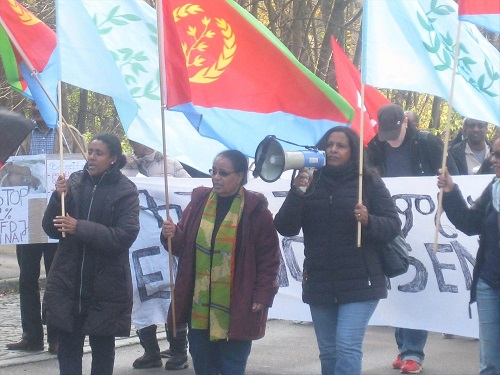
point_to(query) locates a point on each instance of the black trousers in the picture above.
(178, 344)
(28, 258)
(71, 351)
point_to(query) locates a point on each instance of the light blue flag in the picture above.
(410, 45)
(128, 30)
(85, 60)
(49, 78)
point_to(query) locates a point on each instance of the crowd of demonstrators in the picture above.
(482, 218)
(228, 249)
(473, 150)
(400, 149)
(341, 283)
(149, 163)
(89, 286)
(229, 257)
(42, 140)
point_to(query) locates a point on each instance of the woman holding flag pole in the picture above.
(481, 218)
(89, 287)
(228, 254)
(343, 279)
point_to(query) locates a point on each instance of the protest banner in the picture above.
(25, 186)
(432, 295)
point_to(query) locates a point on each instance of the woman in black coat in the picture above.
(89, 289)
(342, 283)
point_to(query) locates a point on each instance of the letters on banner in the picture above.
(432, 295)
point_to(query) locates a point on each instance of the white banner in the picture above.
(433, 295)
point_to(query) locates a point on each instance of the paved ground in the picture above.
(289, 348)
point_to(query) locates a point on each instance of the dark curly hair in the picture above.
(114, 146)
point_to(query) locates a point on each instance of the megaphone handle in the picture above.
(310, 172)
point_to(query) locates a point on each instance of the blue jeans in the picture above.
(70, 351)
(488, 309)
(340, 330)
(222, 357)
(411, 343)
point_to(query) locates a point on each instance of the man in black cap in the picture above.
(400, 149)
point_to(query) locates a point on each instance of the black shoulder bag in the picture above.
(394, 256)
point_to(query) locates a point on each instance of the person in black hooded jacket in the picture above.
(89, 288)
(341, 282)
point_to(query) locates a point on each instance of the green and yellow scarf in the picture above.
(214, 269)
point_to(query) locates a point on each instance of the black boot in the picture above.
(151, 357)
(178, 349)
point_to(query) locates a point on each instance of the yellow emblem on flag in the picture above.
(195, 51)
(27, 18)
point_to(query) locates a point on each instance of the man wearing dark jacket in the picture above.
(400, 149)
(470, 153)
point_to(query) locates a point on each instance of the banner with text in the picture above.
(432, 295)
(26, 183)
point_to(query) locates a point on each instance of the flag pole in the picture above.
(361, 161)
(447, 138)
(161, 58)
(34, 73)
(61, 156)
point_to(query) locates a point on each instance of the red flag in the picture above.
(27, 44)
(176, 70)
(35, 38)
(244, 82)
(349, 84)
(484, 13)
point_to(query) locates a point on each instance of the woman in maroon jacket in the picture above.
(228, 254)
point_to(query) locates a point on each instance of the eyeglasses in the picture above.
(221, 173)
(495, 154)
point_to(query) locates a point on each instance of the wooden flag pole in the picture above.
(161, 56)
(361, 161)
(446, 139)
(61, 153)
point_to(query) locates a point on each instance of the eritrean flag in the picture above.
(27, 44)
(243, 81)
(484, 13)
